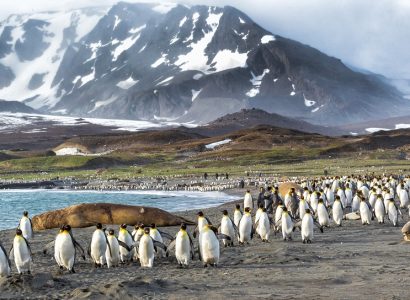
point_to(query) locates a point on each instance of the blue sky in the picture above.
(369, 34)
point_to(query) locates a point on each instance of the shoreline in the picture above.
(342, 259)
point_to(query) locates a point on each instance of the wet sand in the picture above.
(348, 262)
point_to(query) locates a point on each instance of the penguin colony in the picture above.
(319, 203)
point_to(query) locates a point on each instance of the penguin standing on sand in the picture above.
(248, 201)
(393, 212)
(184, 247)
(245, 227)
(237, 215)
(365, 211)
(156, 235)
(287, 225)
(112, 253)
(126, 253)
(209, 249)
(228, 228)
(22, 253)
(98, 246)
(337, 211)
(202, 221)
(379, 209)
(146, 248)
(263, 225)
(5, 264)
(322, 214)
(26, 226)
(65, 249)
(307, 227)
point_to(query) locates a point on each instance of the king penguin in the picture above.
(146, 249)
(307, 227)
(245, 227)
(22, 253)
(98, 246)
(65, 249)
(112, 253)
(228, 228)
(26, 226)
(184, 247)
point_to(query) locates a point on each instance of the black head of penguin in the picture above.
(263, 209)
(99, 226)
(247, 209)
(261, 205)
(25, 213)
(307, 210)
(200, 214)
(280, 202)
(137, 226)
(19, 232)
(67, 227)
(337, 197)
(320, 200)
(111, 231)
(123, 226)
(225, 212)
(153, 226)
(146, 230)
(284, 209)
(237, 206)
(183, 226)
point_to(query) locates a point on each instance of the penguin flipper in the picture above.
(171, 245)
(160, 245)
(78, 246)
(209, 221)
(166, 235)
(124, 245)
(196, 231)
(5, 253)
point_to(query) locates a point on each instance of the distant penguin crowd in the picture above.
(308, 204)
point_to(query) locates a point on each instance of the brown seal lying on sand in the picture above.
(85, 215)
(285, 187)
(406, 231)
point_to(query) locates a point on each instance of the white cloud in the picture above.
(368, 34)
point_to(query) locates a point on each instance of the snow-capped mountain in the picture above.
(166, 61)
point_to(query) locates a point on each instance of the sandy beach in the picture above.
(348, 262)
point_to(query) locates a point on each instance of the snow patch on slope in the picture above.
(127, 83)
(49, 62)
(267, 39)
(256, 82)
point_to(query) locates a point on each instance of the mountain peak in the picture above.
(147, 61)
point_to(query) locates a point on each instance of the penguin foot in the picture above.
(61, 268)
(29, 272)
(304, 241)
(205, 265)
(309, 241)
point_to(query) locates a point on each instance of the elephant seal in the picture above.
(285, 187)
(85, 215)
(352, 216)
(406, 231)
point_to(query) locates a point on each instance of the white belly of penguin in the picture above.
(287, 226)
(379, 210)
(393, 215)
(237, 217)
(337, 212)
(307, 228)
(25, 226)
(227, 229)
(127, 239)
(365, 213)
(182, 248)
(209, 248)
(98, 247)
(322, 215)
(245, 227)
(146, 251)
(65, 251)
(264, 226)
(113, 256)
(22, 256)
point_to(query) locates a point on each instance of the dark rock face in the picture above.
(148, 61)
(33, 41)
(14, 107)
(6, 76)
